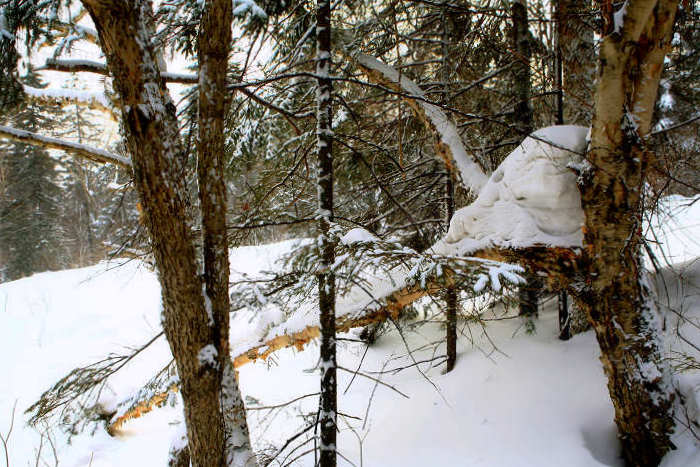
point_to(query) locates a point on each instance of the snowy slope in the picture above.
(513, 399)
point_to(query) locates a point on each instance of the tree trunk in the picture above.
(575, 68)
(451, 295)
(616, 296)
(521, 40)
(326, 278)
(577, 51)
(195, 315)
(214, 42)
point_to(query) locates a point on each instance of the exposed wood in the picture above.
(562, 263)
(87, 152)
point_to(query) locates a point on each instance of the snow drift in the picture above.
(531, 199)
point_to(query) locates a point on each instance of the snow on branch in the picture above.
(80, 150)
(93, 100)
(90, 66)
(450, 146)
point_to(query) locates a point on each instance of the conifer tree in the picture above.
(30, 208)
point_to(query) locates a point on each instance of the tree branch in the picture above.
(80, 150)
(449, 144)
(89, 66)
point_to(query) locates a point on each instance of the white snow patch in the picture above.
(532, 198)
(207, 356)
(358, 235)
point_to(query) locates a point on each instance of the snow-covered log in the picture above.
(80, 150)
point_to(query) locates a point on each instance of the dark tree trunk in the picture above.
(577, 51)
(451, 295)
(195, 314)
(326, 278)
(521, 41)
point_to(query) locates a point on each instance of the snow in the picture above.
(82, 149)
(619, 18)
(357, 235)
(207, 356)
(513, 399)
(531, 199)
(87, 97)
(241, 7)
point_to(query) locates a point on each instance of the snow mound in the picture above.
(358, 235)
(532, 198)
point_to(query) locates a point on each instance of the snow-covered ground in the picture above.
(513, 399)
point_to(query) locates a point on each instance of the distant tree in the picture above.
(30, 199)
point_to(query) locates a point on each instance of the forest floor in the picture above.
(514, 398)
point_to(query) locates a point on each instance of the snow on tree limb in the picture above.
(93, 100)
(80, 150)
(90, 66)
(449, 147)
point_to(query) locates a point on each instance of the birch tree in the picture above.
(617, 295)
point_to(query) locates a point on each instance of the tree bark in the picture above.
(327, 418)
(451, 294)
(577, 51)
(195, 318)
(616, 295)
(521, 40)
(214, 42)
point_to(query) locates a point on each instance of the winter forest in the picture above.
(258, 233)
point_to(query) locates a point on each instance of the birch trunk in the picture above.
(616, 296)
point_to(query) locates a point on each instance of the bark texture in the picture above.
(577, 49)
(326, 278)
(195, 316)
(521, 41)
(451, 294)
(214, 43)
(615, 295)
